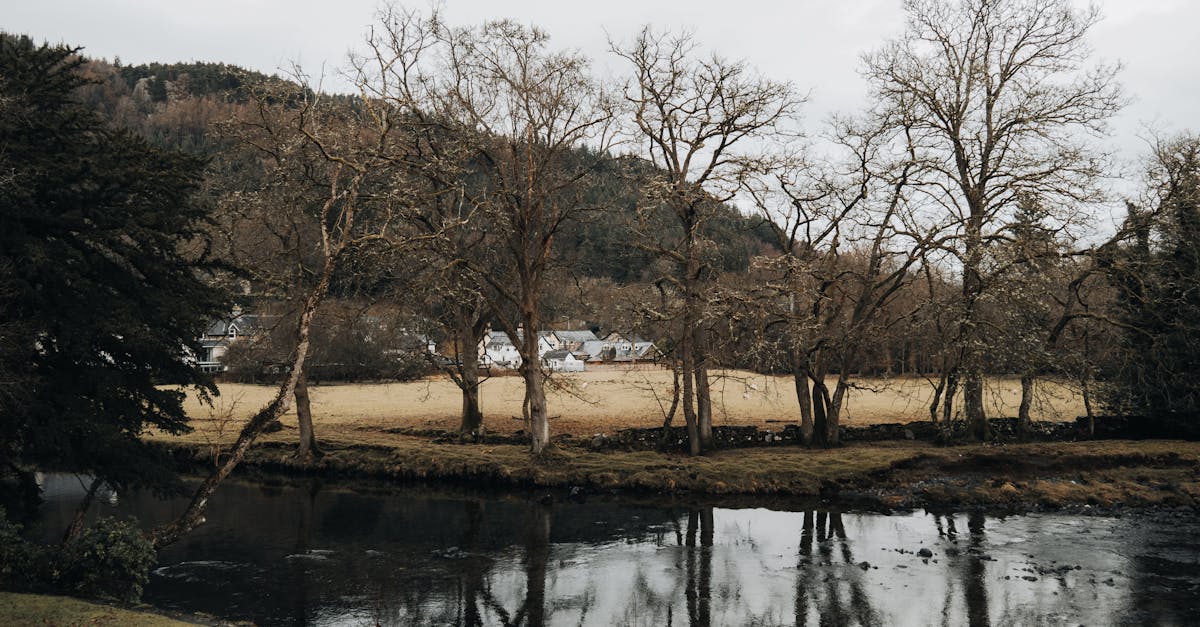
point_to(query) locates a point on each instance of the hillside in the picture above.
(177, 105)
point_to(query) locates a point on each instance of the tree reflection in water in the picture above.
(699, 568)
(976, 592)
(971, 564)
(477, 603)
(314, 554)
(471, 586)
(842, 599)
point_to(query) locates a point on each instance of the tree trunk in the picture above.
(193, 516)
(833, 418)
(81, 512)
(688, 366)
(472, 415)
(973, 406)
(804, 397)
(948, 402)
(689, 352)
(308, 449)
(539, 424)
(937, 397)
(664, 437)
(1087, 406)
(1026, 403)
(972, 290)
(703, 390)
(469, 336)
(535, 379)
(820, 395)
(703, 408)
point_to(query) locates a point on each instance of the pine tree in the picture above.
(101, 248)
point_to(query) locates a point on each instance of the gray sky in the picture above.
(814, 43)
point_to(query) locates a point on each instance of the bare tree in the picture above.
(440, 163)
(313, 141)
(847, 246)
(999, 103)
(537, 126)
(705, 124)
(339, 208)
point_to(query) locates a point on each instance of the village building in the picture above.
(562, 361)
(617, 348)
(498, 351)
(222, 334)
(573, 340)
(567, 350)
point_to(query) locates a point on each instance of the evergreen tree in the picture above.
(1157, 278)
(102, 256)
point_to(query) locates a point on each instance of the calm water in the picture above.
(324, 554)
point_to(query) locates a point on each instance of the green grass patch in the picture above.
(41, 609)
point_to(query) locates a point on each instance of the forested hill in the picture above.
(176, 105)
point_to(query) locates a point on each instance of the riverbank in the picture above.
(1105, 474)
(44, 609)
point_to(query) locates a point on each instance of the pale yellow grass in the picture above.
(606, 400)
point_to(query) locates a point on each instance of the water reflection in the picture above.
(829, 583)
(974, 571)
(313, 553)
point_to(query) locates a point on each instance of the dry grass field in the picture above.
(604, 401)
(354, 425)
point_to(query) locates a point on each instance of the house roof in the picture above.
(618, 337)
(641, 349)
(579, 336)
(246, 324)
(593, 349)
(558, 354)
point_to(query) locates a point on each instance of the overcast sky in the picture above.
(813, 43)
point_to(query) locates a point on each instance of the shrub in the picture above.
(110, 560)
(19, 559)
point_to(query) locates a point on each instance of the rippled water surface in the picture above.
(323, 554)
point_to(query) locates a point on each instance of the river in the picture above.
(327, 553)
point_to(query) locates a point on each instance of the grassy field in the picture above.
(356, 425)
(604, 401)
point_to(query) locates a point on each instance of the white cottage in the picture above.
(562, 361)
(498, 350)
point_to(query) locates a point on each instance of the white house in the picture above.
(574, 340)
(615, 348)
(498, 350)
(562, 361)
(221, 334)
